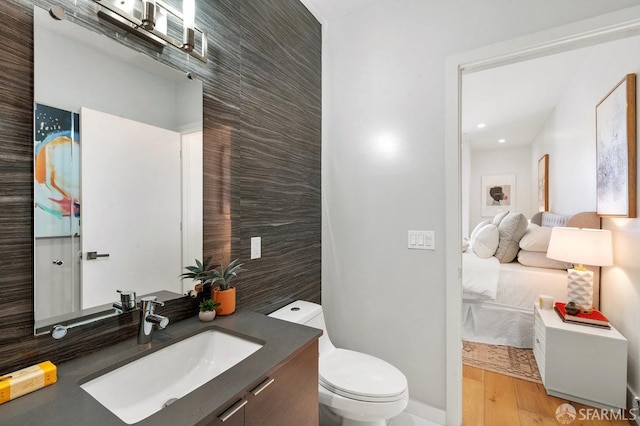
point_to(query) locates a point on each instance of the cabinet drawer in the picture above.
(539, 342)
(538, 353)
(539, 330)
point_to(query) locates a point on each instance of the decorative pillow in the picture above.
(540, 260)
(479, 227)
(486, 241)
(511, 230)
(499, 218)
(536, 238)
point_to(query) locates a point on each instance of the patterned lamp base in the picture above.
(580, 289)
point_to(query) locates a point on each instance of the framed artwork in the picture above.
(616, 151)
(498, 194)
(543, 183)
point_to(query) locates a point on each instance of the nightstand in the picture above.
(580, 363)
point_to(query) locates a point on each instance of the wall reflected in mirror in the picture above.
(111, 187)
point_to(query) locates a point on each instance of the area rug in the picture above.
(507, 360)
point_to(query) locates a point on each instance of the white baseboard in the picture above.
(426, 412)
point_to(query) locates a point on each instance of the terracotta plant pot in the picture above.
(227, 300)
(206, 316)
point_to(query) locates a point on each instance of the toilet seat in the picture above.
(361, 377)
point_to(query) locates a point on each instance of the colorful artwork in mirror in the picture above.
(56, 172)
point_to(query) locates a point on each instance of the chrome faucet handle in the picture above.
(151, 301)
(158, 320)
(127, 300)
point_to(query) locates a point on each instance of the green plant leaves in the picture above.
(209, 275)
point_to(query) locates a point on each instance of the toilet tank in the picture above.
(300, 312)
(309, 314)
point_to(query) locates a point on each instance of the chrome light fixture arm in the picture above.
(147, 24)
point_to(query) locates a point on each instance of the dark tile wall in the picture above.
(262, 112)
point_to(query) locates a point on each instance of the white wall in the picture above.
(569, 138)
(465, 187)
(516, 161)
(569, 134)
(384, 171)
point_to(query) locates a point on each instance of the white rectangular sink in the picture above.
(130, 392)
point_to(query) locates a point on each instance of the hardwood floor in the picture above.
(492, 399)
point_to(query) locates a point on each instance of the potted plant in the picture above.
(208, 310)
(200, 272)
(224, 293)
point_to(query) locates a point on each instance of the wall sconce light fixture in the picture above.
(158, 23)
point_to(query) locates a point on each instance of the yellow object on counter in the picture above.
(27, 380)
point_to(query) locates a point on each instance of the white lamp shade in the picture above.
(581, 246)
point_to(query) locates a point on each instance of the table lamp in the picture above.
(581, 246)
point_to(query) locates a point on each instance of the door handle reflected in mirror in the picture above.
(93, 255)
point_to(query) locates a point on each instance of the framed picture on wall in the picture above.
(498, 194)
(616, 151)
(543, 183)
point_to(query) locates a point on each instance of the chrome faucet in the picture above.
(149, 319)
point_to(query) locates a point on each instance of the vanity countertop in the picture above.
(65, 403)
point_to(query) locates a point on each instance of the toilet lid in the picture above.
(360, 376)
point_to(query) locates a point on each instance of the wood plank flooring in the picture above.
(492, 399)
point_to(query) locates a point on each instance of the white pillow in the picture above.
(540, 260)
(536, 238)
(511, 230)
(479, 227)
(498, 218)
(486, 241)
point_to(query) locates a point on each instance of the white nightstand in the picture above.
(579, 362)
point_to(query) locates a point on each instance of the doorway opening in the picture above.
(539, 46)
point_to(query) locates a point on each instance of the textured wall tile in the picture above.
(262, 106)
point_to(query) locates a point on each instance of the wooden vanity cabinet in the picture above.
(288, 396)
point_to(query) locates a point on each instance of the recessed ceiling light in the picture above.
(481, 126)
(502, 140)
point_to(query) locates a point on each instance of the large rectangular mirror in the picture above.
(117, 173)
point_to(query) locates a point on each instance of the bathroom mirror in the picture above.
(117, 173)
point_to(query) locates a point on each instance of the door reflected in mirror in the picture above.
(110, 126)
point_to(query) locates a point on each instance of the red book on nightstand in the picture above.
(595, 318)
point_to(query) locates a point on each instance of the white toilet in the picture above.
(362, 389)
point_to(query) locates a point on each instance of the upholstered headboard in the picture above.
(579, 220)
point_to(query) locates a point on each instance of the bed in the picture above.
(498, 298)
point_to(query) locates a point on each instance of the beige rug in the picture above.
(506, 360)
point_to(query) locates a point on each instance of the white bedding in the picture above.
(519, 286)
(507, 319)
(479, 277)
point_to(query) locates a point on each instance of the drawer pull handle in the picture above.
(262, 386)
(232, 410)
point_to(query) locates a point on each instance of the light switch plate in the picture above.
(256, 247)
(422, 240)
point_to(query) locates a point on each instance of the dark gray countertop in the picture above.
(65, 403)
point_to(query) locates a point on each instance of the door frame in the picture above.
(608, 27)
